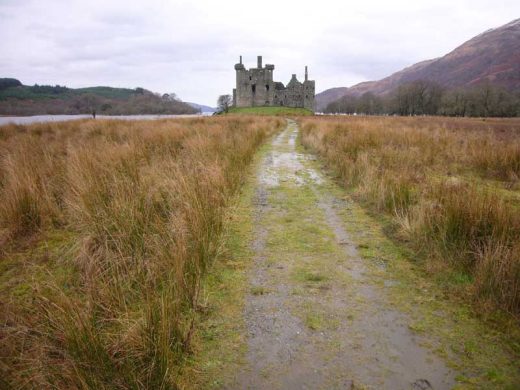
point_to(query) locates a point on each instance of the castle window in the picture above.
(306, 96)
(267, 87)
(250, 78)
(253, 88)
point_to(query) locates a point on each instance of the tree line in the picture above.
(144, 102)
(423, 97)
(9, 83)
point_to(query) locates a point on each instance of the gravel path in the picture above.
(314, 316)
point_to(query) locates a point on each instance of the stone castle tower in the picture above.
(255, 87)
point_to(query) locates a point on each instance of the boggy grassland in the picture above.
(449, 189)
(107, 231)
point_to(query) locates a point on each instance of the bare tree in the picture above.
(224, 102)
(171, 97)
(455, 102)
(425, 97)
(419, 97)
(90, 103)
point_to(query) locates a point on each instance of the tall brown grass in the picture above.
(143, 205)
(451, 186)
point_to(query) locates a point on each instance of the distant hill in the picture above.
(322, 99)
(19, 99)
(202, 107)
(492, 56)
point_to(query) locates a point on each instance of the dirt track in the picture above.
(315, 316)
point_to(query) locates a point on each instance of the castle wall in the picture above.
(255, 87)
(309, 90)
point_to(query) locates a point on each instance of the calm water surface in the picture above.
(24, 120)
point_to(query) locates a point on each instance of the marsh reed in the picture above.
(450, 185)
(107, 230)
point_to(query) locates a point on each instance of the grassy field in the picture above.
(108, 229)
(286, 268)
(276, 111)
(449, 189)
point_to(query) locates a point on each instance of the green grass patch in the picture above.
(305, 275)
(49, 262)
(259, 290)
(276, 111)
(314, 321)
(292, 205)
(315, 318)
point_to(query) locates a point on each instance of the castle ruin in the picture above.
(255, 87)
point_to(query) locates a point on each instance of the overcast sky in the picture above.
(190, 46)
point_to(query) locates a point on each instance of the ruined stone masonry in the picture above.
(255, 87)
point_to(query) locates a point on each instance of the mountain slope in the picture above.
(492, 56)
(329, 96)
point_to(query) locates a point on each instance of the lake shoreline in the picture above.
(25, 120)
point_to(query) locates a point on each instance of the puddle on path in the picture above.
(314, 318)
(284, 164)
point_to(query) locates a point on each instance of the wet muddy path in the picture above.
(314, 316)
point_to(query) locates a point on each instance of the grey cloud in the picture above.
(190, 47)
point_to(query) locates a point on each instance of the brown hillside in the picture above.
(493, 56)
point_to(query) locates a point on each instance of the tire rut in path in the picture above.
(314, 318)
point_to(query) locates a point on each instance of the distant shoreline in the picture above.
(25, 120)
